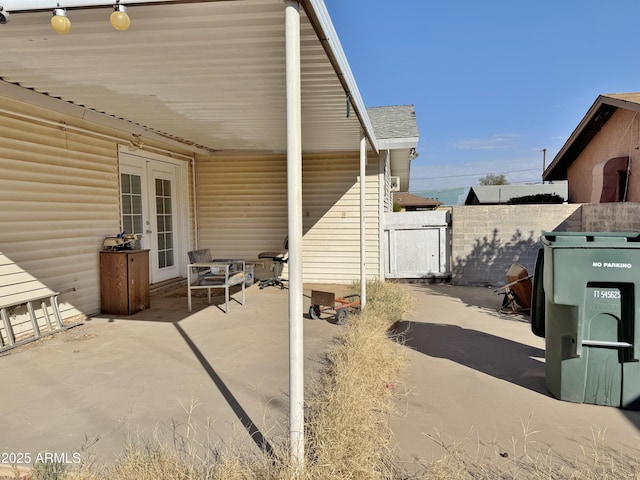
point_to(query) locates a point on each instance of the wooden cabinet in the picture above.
(124, 281)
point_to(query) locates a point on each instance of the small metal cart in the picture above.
(327, 302)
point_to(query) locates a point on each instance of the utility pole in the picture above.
(544, 162)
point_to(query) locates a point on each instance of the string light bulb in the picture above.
(4, 16)
(119, 18)
(60, 22)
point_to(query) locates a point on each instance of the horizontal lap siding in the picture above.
(331, 210)
(242, 204)
(242, 210)
(58, 200)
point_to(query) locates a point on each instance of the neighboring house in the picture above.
(408, 202)
(500, 194)
(177, 130)
(599, 157)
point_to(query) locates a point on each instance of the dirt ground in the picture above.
(476, 379)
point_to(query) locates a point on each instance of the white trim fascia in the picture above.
(398, 143)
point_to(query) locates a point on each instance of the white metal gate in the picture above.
(417, 244)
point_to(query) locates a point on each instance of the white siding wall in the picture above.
(242, 210)
(59, 198)
(242, 204)
(331, 208)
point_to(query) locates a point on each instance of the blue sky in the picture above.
(493, 82)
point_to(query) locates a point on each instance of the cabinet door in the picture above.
(114, 296)
(138, 265)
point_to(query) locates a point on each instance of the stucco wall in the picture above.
(486, 240)
(620, 137)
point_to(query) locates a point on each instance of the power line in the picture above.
(532, 181)
(474, 174)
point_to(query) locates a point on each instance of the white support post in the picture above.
(363, 222)
(294, 193)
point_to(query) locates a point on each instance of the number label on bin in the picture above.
(611, 294)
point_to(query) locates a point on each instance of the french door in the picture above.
(149, 205)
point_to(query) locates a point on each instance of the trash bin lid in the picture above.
(590, 239)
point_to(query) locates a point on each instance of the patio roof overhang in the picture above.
(209, 74)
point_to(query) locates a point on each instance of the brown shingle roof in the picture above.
(410, 200)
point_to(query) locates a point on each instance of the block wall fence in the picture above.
(486, 240)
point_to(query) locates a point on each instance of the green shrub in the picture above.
(536, 199)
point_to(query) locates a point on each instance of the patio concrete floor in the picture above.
(475, 378)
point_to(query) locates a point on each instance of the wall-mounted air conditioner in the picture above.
(395, 184)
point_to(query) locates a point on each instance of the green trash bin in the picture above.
(584, 305)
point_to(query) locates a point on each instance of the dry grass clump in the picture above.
(154, 459)
(388, 301)
(348, 409)
(526, 460)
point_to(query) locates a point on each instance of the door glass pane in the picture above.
(127, 225)
(136, 207)
(126, 204)
(131, 205)
(137, 224)
(163, 219)
(136, 184)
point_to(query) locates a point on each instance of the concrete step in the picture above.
(166, 286)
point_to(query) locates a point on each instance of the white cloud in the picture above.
(495, 142)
